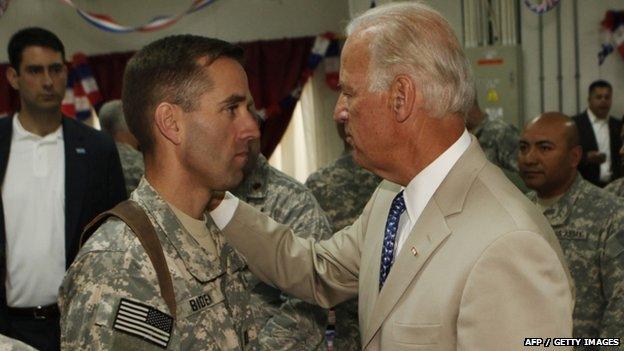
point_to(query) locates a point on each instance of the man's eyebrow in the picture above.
(233, 99)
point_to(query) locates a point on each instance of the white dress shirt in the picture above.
(33, 196)
(603, 139)
(422, 187)
(417, 193)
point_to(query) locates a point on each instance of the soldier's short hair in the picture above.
(167, 70)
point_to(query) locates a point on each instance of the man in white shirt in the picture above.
(56, 175)
(447, 254)
(599, 134)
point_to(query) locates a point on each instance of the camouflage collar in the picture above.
(254, 186)
(558, 213)
(202, 265)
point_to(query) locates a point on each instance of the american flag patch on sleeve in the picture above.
(143, 321)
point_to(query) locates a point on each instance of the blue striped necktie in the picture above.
(392, 224)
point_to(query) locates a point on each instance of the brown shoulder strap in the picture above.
(134, 216)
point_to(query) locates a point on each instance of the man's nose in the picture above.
(340, 111)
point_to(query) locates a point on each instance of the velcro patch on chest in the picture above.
(143, 321)
(200, 302)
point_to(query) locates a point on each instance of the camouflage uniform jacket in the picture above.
(343, 188)
(499, 141)
(589, 223)
(616, 187)
(131, 164)
(211, 293)
(8, 344)
(285, 323)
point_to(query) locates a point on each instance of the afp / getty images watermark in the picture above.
(555, 342)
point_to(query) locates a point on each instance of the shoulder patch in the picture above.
(143, 321)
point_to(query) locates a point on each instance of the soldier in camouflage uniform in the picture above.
(342, 189)
(284, 323)
(616, 187)
(195, 127)
(8, 344)
(498, 139)
(588, 221)
(113, 266)
(113, 122)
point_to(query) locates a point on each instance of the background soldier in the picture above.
(284, 323)
(114, 123)
(342, 189)
(588, 221)
(186, 99)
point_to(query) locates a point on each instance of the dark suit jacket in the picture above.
(588, 142)
(94, 183)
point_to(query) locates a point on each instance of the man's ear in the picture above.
(11, 75)
(577, 154)
(167, 118)
(403, 97)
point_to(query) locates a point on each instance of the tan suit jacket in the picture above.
(481, 269)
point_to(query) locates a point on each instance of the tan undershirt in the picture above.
(543, 204)
(197, 228)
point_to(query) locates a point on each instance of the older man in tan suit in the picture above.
(447, 254)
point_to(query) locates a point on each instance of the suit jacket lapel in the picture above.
(371, 256)
(76, 171)
(6, 129)
(428, 233)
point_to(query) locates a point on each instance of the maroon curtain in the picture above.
(9, 99)
(273, 67)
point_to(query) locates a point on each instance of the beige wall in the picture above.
(233, 20)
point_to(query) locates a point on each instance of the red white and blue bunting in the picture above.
(326, 47)
(106, 23)
(82, 91)
(612, 34)
(4, 4)
(542, 7)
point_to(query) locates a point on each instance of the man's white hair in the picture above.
(411, 38)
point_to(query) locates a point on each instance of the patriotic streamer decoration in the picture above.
(106, 23)
(325, 47)
(3, 6)
(543, 7)
(82, 91)
(613, 35)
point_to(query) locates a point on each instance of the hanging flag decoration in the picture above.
(542, 6)
(4, 4)
(332, 65)
(613, 35)
(82, 90)
(326, 47)
(106, 23)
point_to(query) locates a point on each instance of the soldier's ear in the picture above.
(167, 120)
(577, 155)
